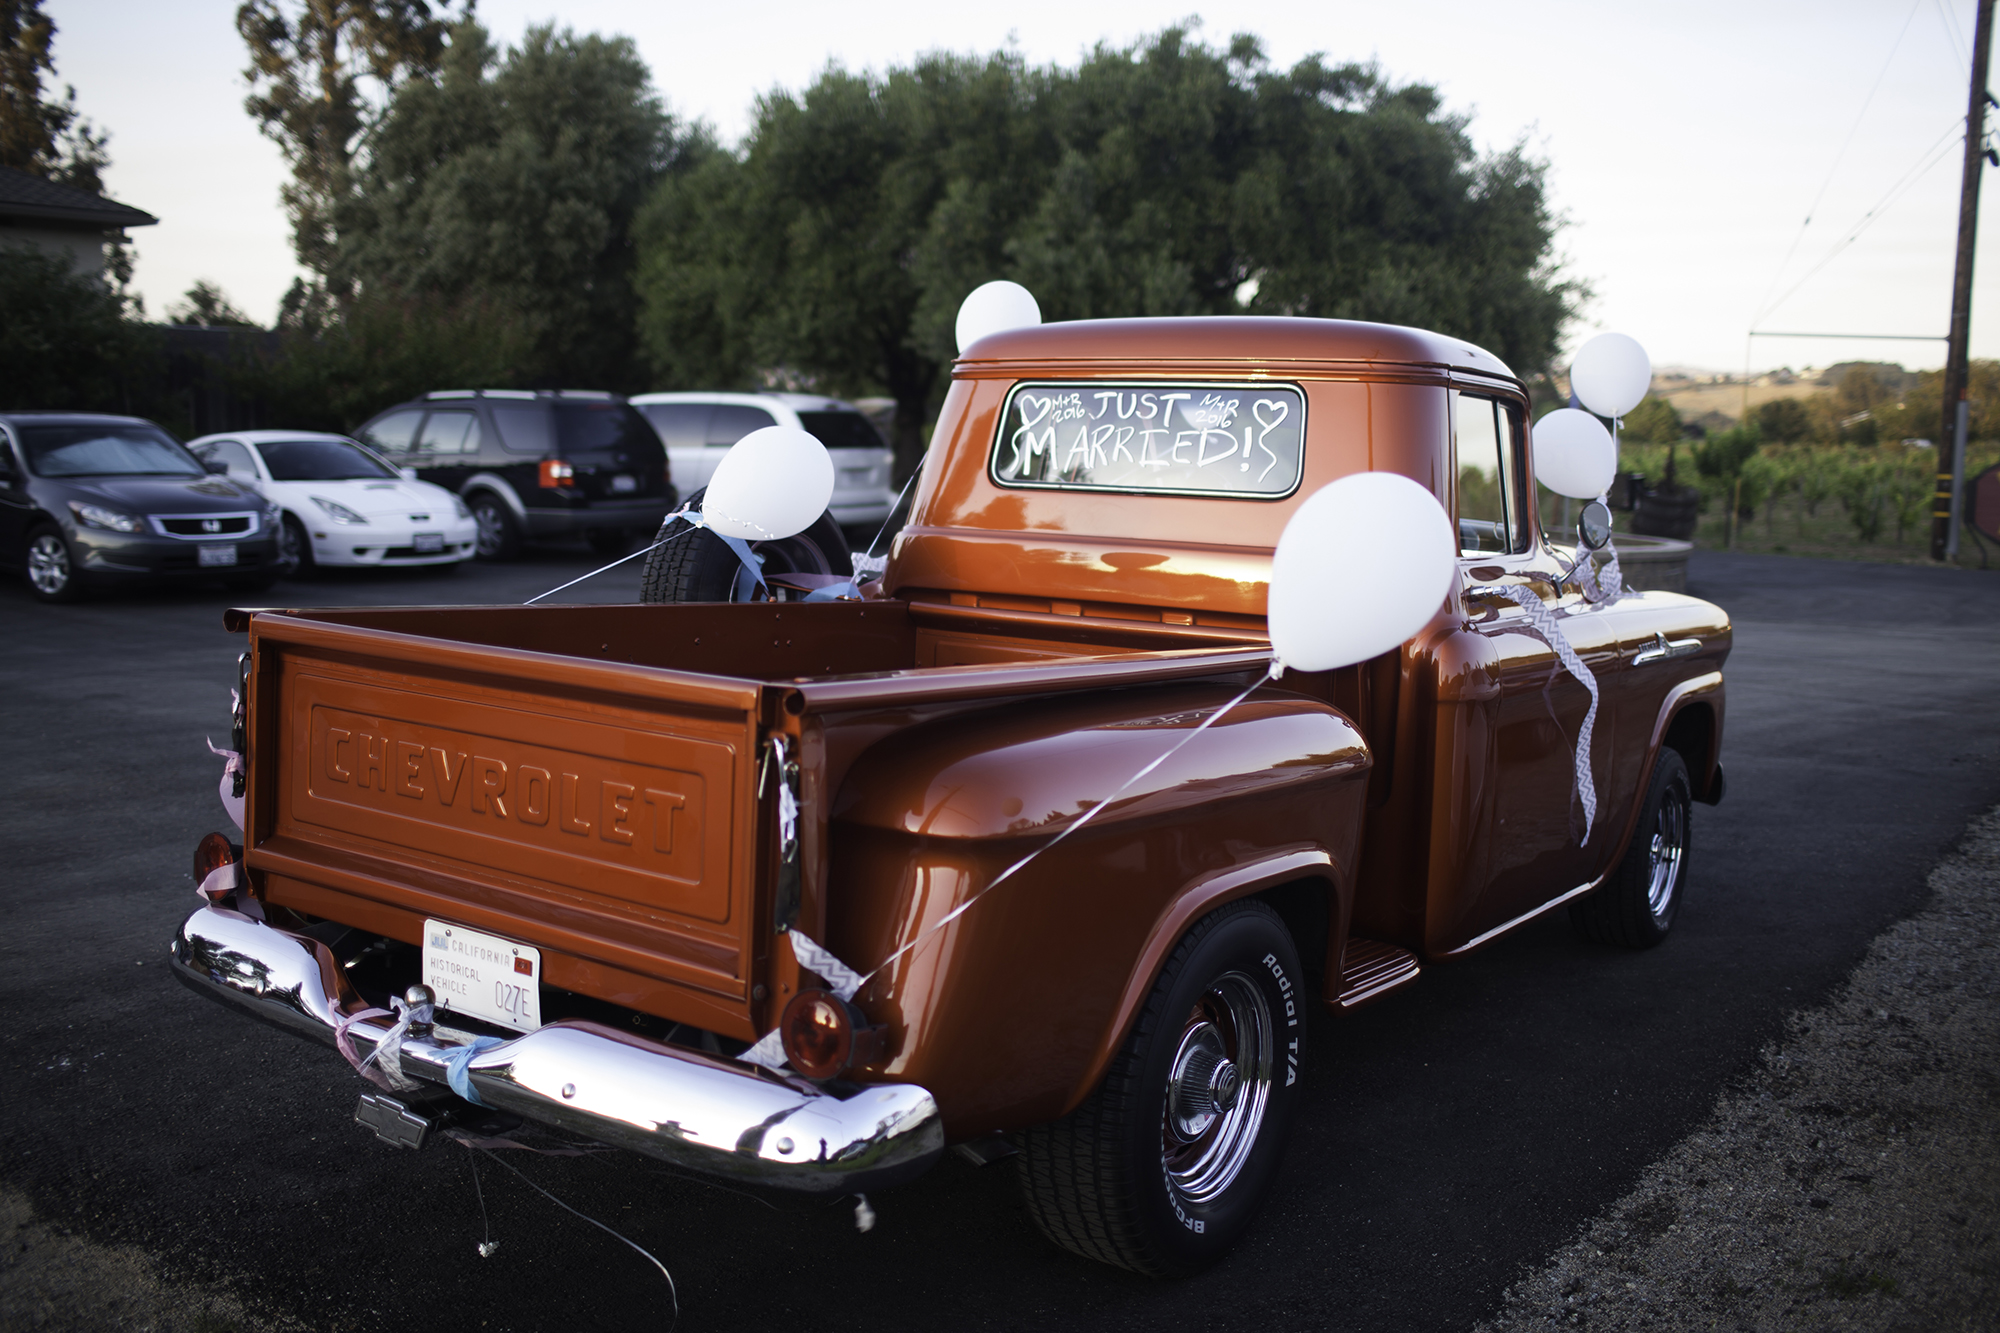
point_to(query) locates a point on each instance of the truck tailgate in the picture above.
(604, 813)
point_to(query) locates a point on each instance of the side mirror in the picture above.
(215, 466)
(407, 473)
(1593, 526)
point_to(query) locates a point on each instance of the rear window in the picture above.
(320, 460)
(732, 421)
(589, 428)
(106, 450)
(1242, 440)
(680, 425)
(842, 430)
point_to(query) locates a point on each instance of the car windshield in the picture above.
(110, 449)
(321, 460)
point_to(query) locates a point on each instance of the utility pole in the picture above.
(1951, 439)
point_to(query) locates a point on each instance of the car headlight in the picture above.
(463, 512)
(95, 516)
(340, 513)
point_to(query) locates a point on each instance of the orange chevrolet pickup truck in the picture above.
(708, 881)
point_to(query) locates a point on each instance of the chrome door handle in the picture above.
(1665, 649)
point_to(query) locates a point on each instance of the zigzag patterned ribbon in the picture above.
(1545, 623)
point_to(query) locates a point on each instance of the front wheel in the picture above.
(51, 570)
(1165, 1165)
(295, 552)
(1636, 905)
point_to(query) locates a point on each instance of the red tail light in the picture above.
(555, 472)
(818, 1033)
(210, 855)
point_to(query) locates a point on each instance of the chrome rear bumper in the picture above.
(708, 1114)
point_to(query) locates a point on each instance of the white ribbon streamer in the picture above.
(841, 979)
(231, 802)
(1545, 623)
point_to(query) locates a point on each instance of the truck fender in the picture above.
(1313, 865)
(1041, 979)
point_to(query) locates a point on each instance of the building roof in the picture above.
(30, 199)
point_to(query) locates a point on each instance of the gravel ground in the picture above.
(49, 1280)
(1851, 1182)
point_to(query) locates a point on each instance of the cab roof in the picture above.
(1265, 339)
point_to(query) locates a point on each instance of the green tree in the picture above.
(44, 138)
(1165, 178)
(308, 60)
(382, 350)
(1653, 421)
(1784, 420)
(64, 340)
(206, 306)
(512, 181)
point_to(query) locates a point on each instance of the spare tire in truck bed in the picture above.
(698, 566)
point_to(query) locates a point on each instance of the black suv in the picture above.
(88, 499)
(537, 463)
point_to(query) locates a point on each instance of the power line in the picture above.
(1935, 154)
(1951, 31)
(1838, 158)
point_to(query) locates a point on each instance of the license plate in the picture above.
(211, 557)
(624, 485)
(427, 543)
(483, 976)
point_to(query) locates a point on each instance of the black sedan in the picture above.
(90, 500)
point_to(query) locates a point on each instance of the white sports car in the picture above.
(343, 503)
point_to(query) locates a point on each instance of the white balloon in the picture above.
(995, 307)
(1611, 374)
(1574, 455)
(1362, 565)
(774, 482)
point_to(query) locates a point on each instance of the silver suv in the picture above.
(698, 429)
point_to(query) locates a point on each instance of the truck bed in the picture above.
(585, 779)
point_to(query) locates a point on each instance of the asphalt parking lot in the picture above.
(1454, 1135)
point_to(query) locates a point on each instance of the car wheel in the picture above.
(499, 535)
(698, 566)
(609, 541)
(51, 570)
(1636, 904)
(1164, 1166)
(295, 552)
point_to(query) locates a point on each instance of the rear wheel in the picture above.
(51, 570)
(698, 566)
(1636, 905)
(1165, 1165)
(499, 534)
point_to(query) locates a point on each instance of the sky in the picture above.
(1711, 159)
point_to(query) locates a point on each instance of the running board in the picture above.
(1372, 969)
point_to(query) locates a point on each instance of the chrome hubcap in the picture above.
(48, 564)
(289, 555)
(1218, 1088)
(492, 528)
(1669, 845)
